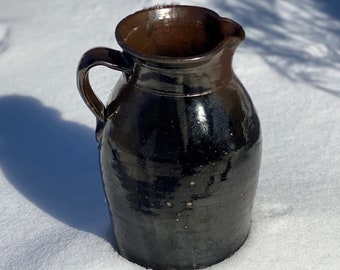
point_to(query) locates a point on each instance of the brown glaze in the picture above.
(176, 31)
(180, 144)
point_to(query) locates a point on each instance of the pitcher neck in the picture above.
(184, 79)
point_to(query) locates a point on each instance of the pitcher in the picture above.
(179, 139)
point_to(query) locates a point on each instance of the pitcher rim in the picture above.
(178, 59)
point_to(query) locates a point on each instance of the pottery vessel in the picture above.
(179, 139)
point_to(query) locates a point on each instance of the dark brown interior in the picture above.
(171, 32)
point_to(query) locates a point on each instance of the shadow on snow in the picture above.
(54, 163)
(298, 39)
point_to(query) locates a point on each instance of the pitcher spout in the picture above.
(233, 33)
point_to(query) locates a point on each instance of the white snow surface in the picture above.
(53, 213)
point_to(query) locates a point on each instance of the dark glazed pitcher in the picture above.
(179, 139)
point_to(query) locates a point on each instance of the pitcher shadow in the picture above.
(53, 163)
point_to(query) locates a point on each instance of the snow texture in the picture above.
(53, 213)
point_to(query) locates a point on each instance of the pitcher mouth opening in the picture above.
(176, 33)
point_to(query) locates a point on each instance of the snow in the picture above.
(53, 213)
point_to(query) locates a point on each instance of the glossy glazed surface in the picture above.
(180, 175)
(180, 146)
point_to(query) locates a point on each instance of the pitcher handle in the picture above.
(98, 56)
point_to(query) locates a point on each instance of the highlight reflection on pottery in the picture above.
(180, 143)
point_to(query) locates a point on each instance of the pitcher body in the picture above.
(179, 140)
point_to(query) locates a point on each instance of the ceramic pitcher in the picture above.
(179, 138)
